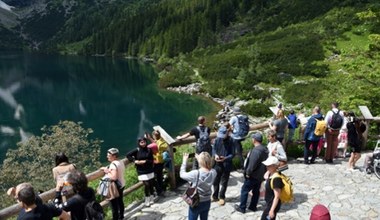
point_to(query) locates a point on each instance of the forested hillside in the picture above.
(314, 51)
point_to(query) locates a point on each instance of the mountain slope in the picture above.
(237, 48)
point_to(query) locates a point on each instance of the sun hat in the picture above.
(320, 212)
(113, 151)
(271, 161)
(257, 136)
(222, 132)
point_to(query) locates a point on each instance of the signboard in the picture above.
(365, 112)
(164, 135)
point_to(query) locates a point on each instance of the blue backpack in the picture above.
(243, 125)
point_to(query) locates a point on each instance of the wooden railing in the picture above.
(46, 196)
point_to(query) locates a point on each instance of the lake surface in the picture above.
(117, 98)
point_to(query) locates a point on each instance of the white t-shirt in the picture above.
(281, 155)
(120, 171)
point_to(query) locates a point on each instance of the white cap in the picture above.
(271, 161)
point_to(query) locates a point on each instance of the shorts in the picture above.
(356, 149)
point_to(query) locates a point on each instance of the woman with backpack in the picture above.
(143, 158)
(273, 187)
(205, 177)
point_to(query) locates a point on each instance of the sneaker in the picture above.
(252, 209)
(151, 200)
(238, 209)
(147, 202)
(222, 202)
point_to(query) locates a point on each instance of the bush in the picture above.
(33, 160)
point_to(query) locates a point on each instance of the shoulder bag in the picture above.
(191, 196)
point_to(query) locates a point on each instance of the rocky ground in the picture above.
(347, 194)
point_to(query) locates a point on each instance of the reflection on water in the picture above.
(117, 98)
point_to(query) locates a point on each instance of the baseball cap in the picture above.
(271, 161)
(257, 136)
(222, 132)
(113, 151)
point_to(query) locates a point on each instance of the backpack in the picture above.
(203, 142)
(286, 195)
(320, 127)
(243, 125)
(94, 211)
(336, 120)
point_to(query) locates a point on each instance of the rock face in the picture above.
(193, 88)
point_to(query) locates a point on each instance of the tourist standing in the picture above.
(355, 139)
(143, 158)
(32, 210)
(236, 134)
(279, 125)
(292, 125)
(115, 172)
(310, 137)
(272, 195)
(334, 121)
(76, 205)
(202, 138)
(253, 173)
(224, 152)
(205, 177)
(158, 167)
(62, 167)
(275, 148)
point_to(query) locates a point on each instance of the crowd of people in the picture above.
(211, 167)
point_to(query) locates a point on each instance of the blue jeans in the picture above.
(248, 185)
(239, 151)
(201, 210)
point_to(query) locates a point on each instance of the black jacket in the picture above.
(142, 153)
(254, 168)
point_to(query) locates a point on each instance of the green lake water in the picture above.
(117, 98)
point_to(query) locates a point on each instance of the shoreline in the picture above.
(225, 111)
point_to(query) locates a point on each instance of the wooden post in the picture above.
(170, 141)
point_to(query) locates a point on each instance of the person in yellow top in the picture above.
(162, 146)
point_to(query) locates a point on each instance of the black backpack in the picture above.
(243, 125)
(203, 142)
(93, 210)
(336, 120)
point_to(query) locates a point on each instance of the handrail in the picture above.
(45, 196)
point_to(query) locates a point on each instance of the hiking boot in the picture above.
(222, 202)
